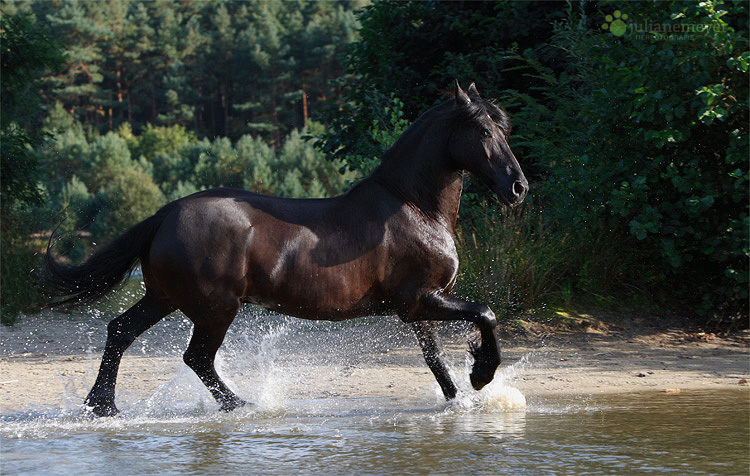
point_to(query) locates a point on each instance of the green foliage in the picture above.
(156, 140)
(361, 144)
(145, 83)
(407, 58)
(27, 52)
(415, 50)
(65, 156)
(636, 145)
(75, 200)
(298, 169)
(128, 198)
(108, 158)
(18, 261)
(305, 170)
(261, 157)
(633, 154)
(96, 184)
(217, 164)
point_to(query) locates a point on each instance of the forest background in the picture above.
(630, 120)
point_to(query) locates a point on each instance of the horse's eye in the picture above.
(486, 133)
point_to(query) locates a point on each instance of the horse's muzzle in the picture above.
(515, 194)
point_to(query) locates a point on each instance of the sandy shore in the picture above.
(51, 362)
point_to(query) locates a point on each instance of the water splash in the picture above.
(257, 363)
(498, 396)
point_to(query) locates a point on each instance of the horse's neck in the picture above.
(417, 170)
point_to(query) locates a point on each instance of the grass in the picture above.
(523, 263)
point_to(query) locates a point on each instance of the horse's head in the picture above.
(479, 145)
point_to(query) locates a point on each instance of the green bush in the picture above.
(258, 177)
(128, 199)
(520, 261)
(648, 133)
(18, 259)
(305, 170)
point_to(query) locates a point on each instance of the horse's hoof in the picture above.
(101, 405)
(102, 409)
(232, 404)
(481, 377)
(486, 363)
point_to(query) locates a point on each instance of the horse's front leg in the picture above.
(438, 306)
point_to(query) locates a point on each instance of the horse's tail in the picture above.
(103, 271)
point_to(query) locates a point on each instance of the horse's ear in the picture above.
(462, 99)
(473, 93)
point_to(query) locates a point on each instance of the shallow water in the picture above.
(405, 430)
(652, 433)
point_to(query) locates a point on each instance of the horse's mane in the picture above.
(479, 108)
(473, 112)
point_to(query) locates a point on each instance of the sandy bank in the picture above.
(49, 363)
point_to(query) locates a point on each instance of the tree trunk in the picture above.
(304, 108)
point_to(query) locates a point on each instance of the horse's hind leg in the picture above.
(428, 340)
(200, 356)
(121, 332)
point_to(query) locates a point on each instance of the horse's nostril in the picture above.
(519, 188)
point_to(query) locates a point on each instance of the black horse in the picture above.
(384, 247)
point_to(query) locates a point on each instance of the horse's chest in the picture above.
(430, 258)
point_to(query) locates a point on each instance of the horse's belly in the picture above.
(327, 294)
